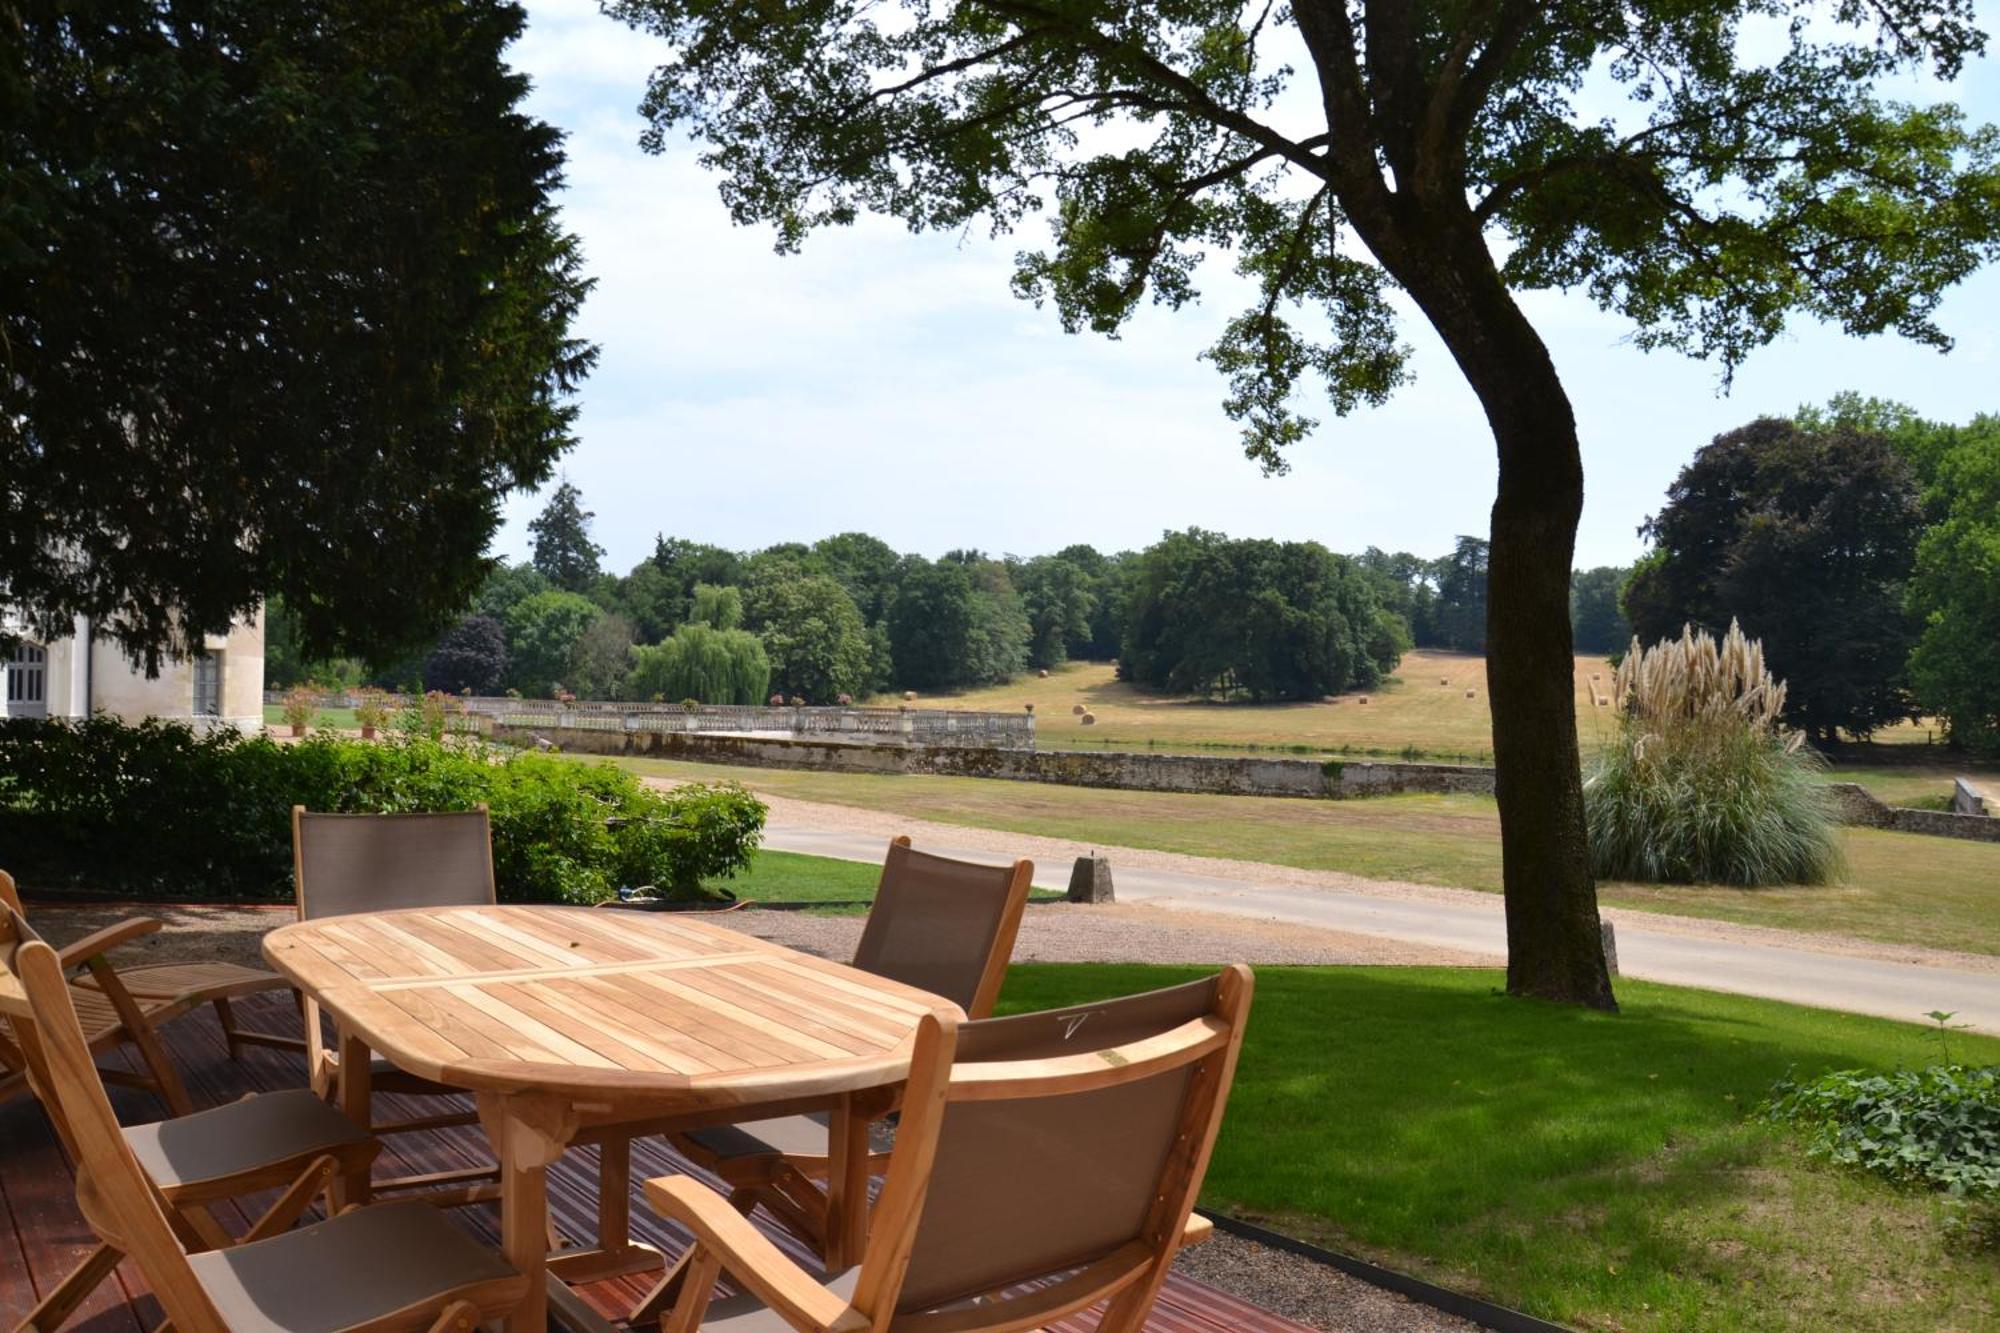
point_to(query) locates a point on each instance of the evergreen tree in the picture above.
(564, 553)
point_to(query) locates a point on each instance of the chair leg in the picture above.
(226, 1019)
(72, 1291)
(166, 1079)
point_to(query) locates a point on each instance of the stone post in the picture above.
(1090, 881)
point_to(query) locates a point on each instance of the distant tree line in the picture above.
(1861, 543)
(849, 616)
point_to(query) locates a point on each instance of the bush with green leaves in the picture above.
(1699, 786)
(155, 810)
(1936, 1128)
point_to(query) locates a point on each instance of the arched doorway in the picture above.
(27, 670)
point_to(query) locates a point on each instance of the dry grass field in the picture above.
(1433, 707)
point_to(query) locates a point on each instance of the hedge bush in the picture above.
(157, 810)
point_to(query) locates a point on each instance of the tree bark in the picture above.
(1554, 942)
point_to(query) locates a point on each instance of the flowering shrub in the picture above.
(301, 705)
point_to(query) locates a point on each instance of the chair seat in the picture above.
(99, 1016)
(357, 1267)
(228, 1140)
(746, 1314)
(786, 1135)
(193, 981)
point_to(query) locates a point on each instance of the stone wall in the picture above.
(1858, 807)
(1970, 798)
(1209, 774)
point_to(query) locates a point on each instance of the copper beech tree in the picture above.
(1707, 169)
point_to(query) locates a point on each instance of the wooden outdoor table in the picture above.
(572, 1025)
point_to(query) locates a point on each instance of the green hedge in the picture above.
(156, 810)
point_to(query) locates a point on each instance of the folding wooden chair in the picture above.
(1044, 1164)
(120, 1006)
(344, 864)
(396, 1268)
(941, 925)
(288, 1140)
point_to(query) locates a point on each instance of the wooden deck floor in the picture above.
(42, 1236)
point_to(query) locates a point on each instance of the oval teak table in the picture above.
(570, 1022)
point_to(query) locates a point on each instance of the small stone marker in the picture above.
(1090, 881)
(1610, 938)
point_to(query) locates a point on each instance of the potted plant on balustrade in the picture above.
(371, 711)
(300, 707)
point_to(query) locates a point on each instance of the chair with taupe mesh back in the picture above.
(1045, 1163)
(393, 1268)
(940, 925)
(289, 1141)
(347, 864)
(126, 1005)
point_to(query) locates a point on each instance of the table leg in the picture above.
(614, 1193)
(847, 1184)
(528, 1133)
(356, 1096)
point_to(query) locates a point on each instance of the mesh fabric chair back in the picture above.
(118, 1199)
(377, 863)
(1075, 1157)
(945, 926)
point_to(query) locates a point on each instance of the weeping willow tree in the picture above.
(700, 662)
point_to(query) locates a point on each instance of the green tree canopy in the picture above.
(1808, 538)
(1595, 613)
(716, 607)
(601, 658)
(1255, 619)
(542, 633)
(1955, 589)
(1458, 609)
(1455, 150)
(564, 553)
(285, 307)
(930, 623)
(814, 636)
(710, 666)
(865, 566)
(1056, 596)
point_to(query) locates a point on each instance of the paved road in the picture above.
(1831, 981)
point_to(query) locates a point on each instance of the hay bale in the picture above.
(1088, 719)
(1078, 710)
(1043, 673)
(1444, 680)
(909, 695)
(1472, 694)
(1362, 700)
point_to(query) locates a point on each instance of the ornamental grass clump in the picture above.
(1700, 785)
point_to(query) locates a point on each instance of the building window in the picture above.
(208, 685)
(27, 672)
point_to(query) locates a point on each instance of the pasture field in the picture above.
(1898, 888)
(1423, 711)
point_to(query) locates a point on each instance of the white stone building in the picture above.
(82, 675)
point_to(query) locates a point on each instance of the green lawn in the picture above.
(1899, 887)
(339, 719)
(788, 877)
(1599, 1170)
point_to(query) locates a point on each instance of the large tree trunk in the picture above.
(1554, 945)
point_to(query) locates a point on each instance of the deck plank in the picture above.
(39, 1222)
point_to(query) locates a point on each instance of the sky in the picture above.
(890, 382)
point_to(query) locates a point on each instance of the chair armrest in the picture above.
(105, 940)
(1197, 1230)
(749, 1257)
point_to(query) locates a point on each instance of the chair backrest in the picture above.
(343, 864)
(945, 926)
(112, 1191)
(1070, 1142)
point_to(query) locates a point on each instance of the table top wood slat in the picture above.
(624, 1009)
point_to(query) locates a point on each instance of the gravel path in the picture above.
(1052, 856)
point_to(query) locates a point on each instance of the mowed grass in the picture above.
(788, 877)
(337, 719)
(1604, 1171)
(1424, 709)
(1898, 888)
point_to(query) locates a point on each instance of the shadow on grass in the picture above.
(1573, 1163)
